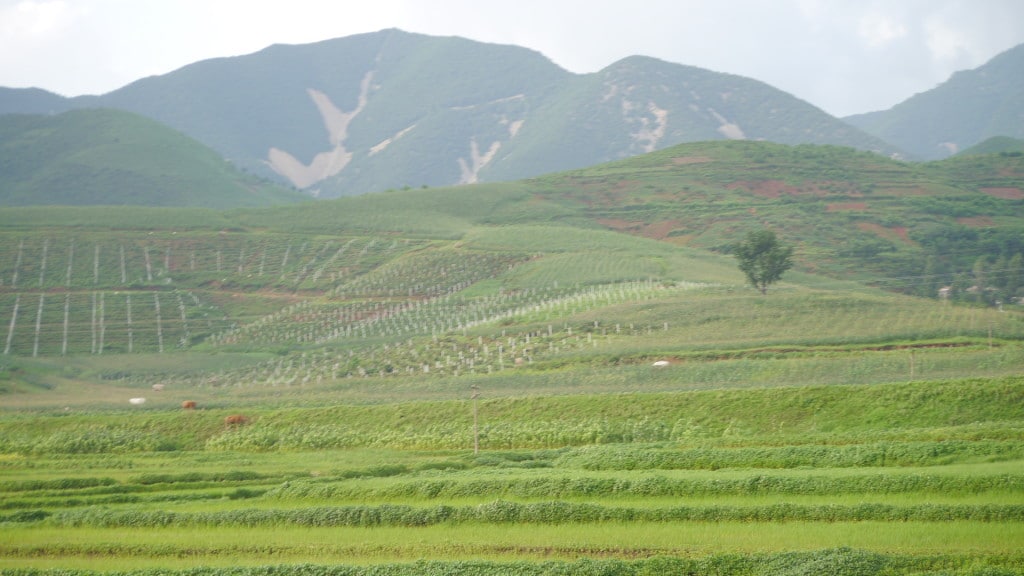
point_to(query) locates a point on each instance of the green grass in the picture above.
(917, 476)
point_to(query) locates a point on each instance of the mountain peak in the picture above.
(390, 109)
(969, 107)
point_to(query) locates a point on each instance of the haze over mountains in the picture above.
(972, 106)
(392, 109)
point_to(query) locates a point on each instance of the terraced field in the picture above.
(497, 379)
(921, 478)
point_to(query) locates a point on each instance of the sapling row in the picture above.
(419, 341)
(97, 322)
(322, 322)
(14, 322)
(176, 260)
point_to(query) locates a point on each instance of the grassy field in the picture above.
(543, 377)
(923, 477)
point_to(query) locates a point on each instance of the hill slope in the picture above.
(88, 157)
(996, 145)
(971, 106)
(524, 288)
(392, 109)
(850, 213)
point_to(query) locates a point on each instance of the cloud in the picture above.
(944, 43)
(845, 56)
(30, 34)
(878, 30)
(31, 21)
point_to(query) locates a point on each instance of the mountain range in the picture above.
(972, 106)
(392, 109)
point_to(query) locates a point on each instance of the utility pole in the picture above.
(476, 428)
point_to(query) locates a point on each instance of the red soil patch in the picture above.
(847, 206)
(902, 191)
(660, 230)
(894, 233)
(682, 160)
(901, 233)
(655, 230)
(976, 221)
(1005, 193)
(764, 188)
(620, 225)
(776, 188)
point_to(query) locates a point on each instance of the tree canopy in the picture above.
(763, 259)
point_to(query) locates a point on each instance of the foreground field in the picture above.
(870, 479)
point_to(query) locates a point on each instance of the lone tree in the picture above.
(763, 259)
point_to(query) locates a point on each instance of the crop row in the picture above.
(843, 456)
(554, 485)
(446, 352)
(320, 322)
(928, 421)
(427, 274)
(587, 431)
(832, 561)
(40, 324)
(551, 512)
(188, 260)
(27, 505)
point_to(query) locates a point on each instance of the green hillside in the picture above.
(561, 375)
(903, 226)
(996, 145)
(409, 259)
(110, 157)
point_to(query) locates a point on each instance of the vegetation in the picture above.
(299, 389)
(830, 474)
(762, 260)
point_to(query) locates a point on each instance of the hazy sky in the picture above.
(844, 56)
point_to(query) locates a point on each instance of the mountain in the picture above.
(32, 101)
(392, 109)
(971, 106)
(642, 104)
(111, 157)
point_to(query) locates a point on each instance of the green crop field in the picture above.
(922, 477)
(565, 375)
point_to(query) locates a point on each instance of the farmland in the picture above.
(876, 478)
(499, 379)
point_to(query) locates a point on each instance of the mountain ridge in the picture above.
(391, 109)
(971, 106)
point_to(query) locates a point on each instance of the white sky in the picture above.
(844, 56)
